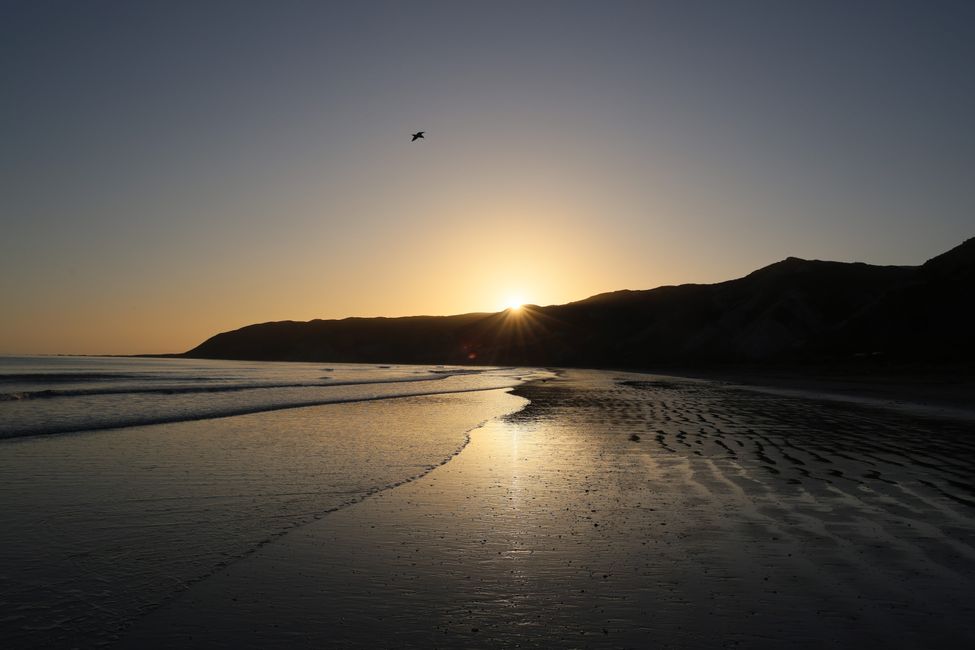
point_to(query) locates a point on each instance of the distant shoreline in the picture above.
(944, 390)
(942, 395)
(940, 390)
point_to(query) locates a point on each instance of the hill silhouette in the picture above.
(792, 311)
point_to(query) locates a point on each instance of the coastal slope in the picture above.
(795, 310)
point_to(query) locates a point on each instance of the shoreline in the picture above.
(198, 496)
(920, 396)
(732, 518)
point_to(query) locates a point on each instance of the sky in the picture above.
(171, 170)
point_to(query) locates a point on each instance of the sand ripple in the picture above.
(736, 520)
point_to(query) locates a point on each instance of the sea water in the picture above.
(125, 480)
(44, 395)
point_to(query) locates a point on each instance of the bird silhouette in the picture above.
(417, 136)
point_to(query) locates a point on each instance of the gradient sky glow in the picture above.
(169, 170)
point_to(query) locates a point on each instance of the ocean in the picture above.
(125, 480)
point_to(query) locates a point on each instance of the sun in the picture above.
(514, 303)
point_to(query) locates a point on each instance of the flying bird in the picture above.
(417, 136)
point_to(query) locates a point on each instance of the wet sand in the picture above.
(737, 519)
(947, 392)
(100, 528)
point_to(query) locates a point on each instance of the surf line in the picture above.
(126, 424)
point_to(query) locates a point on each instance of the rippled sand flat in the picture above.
(736, 519)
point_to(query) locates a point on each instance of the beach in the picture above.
(628, 510)
(104, 520)
(462, 325)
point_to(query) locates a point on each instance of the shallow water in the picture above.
(97, 528)
(47, 395)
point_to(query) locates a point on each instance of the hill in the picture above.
(791, 311)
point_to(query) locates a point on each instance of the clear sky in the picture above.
(169, 170)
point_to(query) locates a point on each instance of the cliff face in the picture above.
(793, 310)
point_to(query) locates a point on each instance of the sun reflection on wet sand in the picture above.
(554, 527)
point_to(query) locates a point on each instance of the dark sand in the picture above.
(928, 392)
(738, 519)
